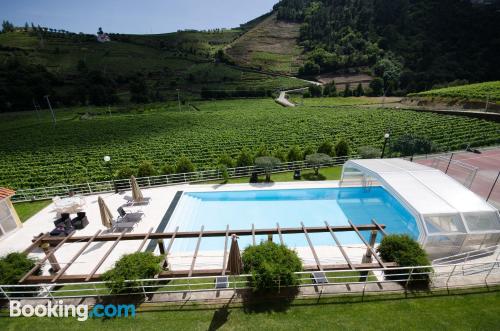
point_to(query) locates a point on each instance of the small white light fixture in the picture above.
(107, 158)
(386, 136)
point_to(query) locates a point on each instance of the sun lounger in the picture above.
(319, 277)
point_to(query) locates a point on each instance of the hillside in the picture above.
(270, 45)
(410, 45)
(75, 69)
(472, 92)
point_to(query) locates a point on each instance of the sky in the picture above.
(133, 16)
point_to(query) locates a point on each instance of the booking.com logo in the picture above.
(81, 312)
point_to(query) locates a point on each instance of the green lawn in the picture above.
(27, 209)
(475, 311)
(331, 173)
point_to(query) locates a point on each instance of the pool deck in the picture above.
(154, 212)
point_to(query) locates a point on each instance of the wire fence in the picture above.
(358, 282)
(88, 188)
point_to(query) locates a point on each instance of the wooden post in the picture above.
(368, 255)
(52, 259)
(161, 246)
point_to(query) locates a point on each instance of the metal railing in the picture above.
(359, 281)
(43, 193)
(467, 256)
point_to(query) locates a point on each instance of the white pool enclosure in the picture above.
(451, 218)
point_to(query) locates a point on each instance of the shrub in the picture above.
(294, 154)
(132, 267)
(167, 169)
(369, 152)
(308, 150)
(125, 173)
(342, 148)
(326, 147)
(226, 160)
(262, 151)
(406, 252)
(146, 169)
(224, 173)
(245, 158)
(280, 154)
(13, 267)
(184, 164)
(271, 265)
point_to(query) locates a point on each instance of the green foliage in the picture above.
(326, 147)
(224, 173)
(410, 144)
(481, 92)
(271, 265)
(342, 148)
(280, 154)
(267, 163)
(315, 91)
(317, 160)
(369, 152)
(308, 150)
(141, 265)
(183, 165)
(377, 87)
(330, 90)
(7, 26)
(294, 154)
(245, 158)
(125, 173)
(262, 151)
(161, 134)
(146, 169)
(167, 169)
(359, 92)
(14, 266)
(406, 252)
(226, 161)
(347, 91)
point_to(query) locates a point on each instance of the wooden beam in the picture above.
(105, 256)
(196, 251)
(224, 258)
(42, 261)
(36, 243)
(73, 259)
(253, 234)
(318, 263)
(367, 244)
(279, 233)
(144, 240)
(339, 245)
(379, 227)
(171, 242)
(217, 233)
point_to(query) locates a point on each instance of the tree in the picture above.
(317, 160)
(167, 169)
(359, 91)
(267, 163)
(327, 148)
(245, 158)
(330, 90)
(377, 86)
(146, 169)
(226, 160)
(125, 173)
(342, 148)
(294, 154)
(139, 90)
(280, 154)
(347, 91)
(184, 165)
(7, 26)
(409, 145)
(262, 151)
(307, 151)
(315, 91)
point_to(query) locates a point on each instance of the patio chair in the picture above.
(80, 221)
(319, 277)
(296, 174)
(131, 202)
(124, 216)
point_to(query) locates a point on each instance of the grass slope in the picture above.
(471, 92)
(479, 311)
(33, 153)
(27, 209)
(271, 45)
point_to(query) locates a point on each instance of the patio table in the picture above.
(68, 205)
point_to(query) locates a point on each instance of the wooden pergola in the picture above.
(51, 244)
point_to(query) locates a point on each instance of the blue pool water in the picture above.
(288, 207)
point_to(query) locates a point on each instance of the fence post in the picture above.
(449, 162)
(90, 189)
(489, 272)
(493, 186)
(451, 274)
(4, 293)
(409, 277)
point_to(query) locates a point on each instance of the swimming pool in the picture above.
(288, 207)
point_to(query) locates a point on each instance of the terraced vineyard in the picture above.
(480, 92)
(33, 153)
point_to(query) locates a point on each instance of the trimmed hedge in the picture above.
(271, 265)
(406, 252)
(132, 267)
(13, 267)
